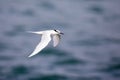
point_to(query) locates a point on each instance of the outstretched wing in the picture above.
(56, 39)
(36, 32)
(44, 42)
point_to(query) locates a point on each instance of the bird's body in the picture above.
(46, 38)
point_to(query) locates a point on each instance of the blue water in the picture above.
(89, 50)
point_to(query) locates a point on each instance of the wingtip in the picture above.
(30, 55)
(54, 45)
(36, 32)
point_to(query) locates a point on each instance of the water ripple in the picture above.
(49, 77)
(96, 41)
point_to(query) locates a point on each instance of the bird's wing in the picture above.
(56, 39)
(43, 43)
(36, 32)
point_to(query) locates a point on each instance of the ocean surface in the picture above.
(88, 50)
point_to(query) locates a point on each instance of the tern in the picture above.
(45, 39)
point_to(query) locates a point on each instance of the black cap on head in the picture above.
(55, 30)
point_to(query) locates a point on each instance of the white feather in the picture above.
(38, 32)
(56, 39)
(46, 38)
(44, 42)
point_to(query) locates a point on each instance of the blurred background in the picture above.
(89, 50)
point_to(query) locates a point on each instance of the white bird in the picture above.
(46, 38)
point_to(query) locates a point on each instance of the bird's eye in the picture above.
(55, 30)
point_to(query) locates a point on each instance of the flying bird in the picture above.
(45, 39)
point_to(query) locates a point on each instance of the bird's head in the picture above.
(58, 32)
